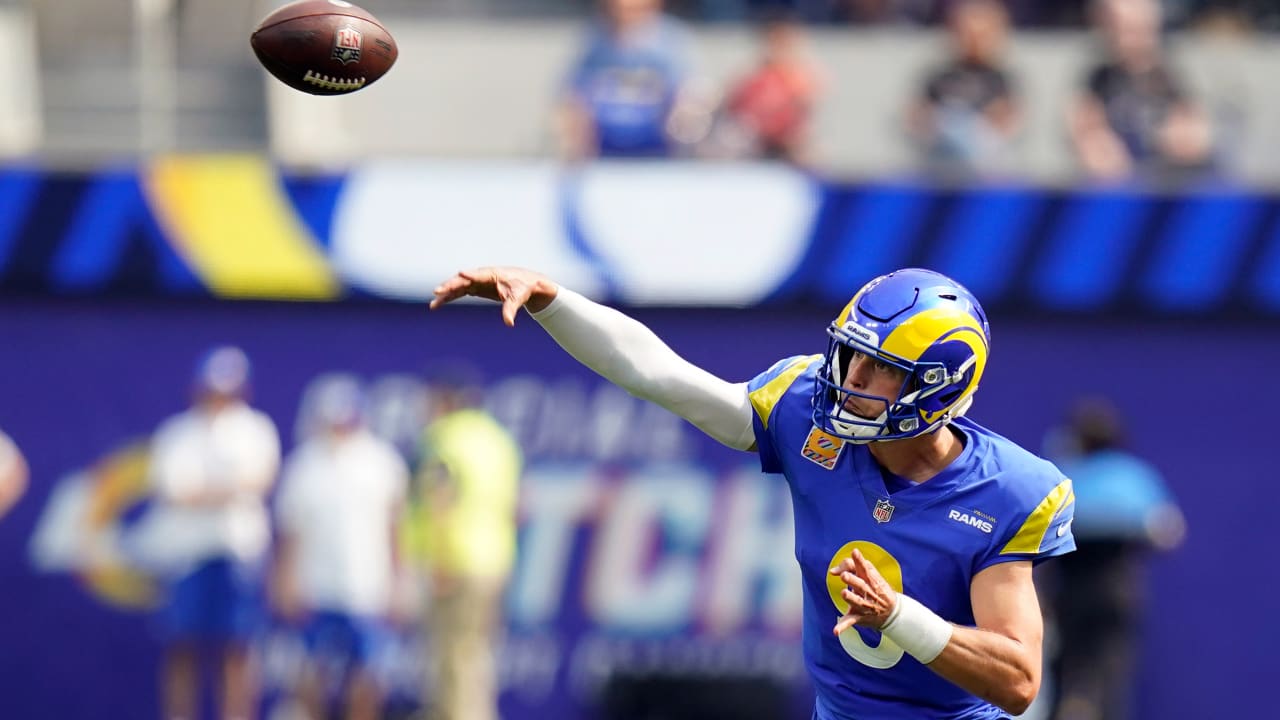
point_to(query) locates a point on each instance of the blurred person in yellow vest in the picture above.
(463, 530)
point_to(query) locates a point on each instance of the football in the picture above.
(324, 47)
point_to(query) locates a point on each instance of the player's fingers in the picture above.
(845, 565)
(452, 283)
(846, 621)
(862, 567)
(449, 290)
(859, 603)
(855, 583)
(482, 275)
(444, 297)
(509, 310)
(483, 282)
(514, 295)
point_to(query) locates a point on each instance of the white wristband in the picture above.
(917, 629)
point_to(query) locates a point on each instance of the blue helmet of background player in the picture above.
(222, 372)
(338, 402)
(921, 322)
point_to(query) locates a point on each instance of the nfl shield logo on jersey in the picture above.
(883, 511)
(346, 45)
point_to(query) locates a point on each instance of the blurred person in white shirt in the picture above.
(967, 115)
(337, 563)
(1136, 113)
(212, 467)
(13, 474)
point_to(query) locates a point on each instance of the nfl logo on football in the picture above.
(346, 45)
(883, 511)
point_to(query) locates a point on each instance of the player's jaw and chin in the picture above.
(854, 405)
(860, 418)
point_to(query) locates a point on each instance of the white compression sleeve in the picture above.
(631, 356)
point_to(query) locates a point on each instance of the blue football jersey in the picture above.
(995, 503)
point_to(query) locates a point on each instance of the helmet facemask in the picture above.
(927, 387)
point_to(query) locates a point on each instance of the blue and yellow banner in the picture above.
(237, 227)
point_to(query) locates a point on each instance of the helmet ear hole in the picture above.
(953, 393)
(950, 396)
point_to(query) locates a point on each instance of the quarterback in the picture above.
(916, 528)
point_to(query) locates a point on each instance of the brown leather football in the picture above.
(324, 47)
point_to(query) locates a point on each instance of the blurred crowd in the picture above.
(343, 543)
(1035, 14)
(1025, 13)
(635, 91)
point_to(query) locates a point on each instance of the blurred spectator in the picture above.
(1058, 14)
(718, 10)
(13, 474)
(1123, 511)
(212, 467)
(885, 12)
(1223, 20)
(337, 565)
(1135, 115)
(465, 526)
(1245, 14)
(767, 113)
(967, 115)
(629, 92)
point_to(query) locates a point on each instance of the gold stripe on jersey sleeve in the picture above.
(1031, 534)
(764, 398)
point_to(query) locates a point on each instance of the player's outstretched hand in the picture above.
(512, 286)
(869, 596)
